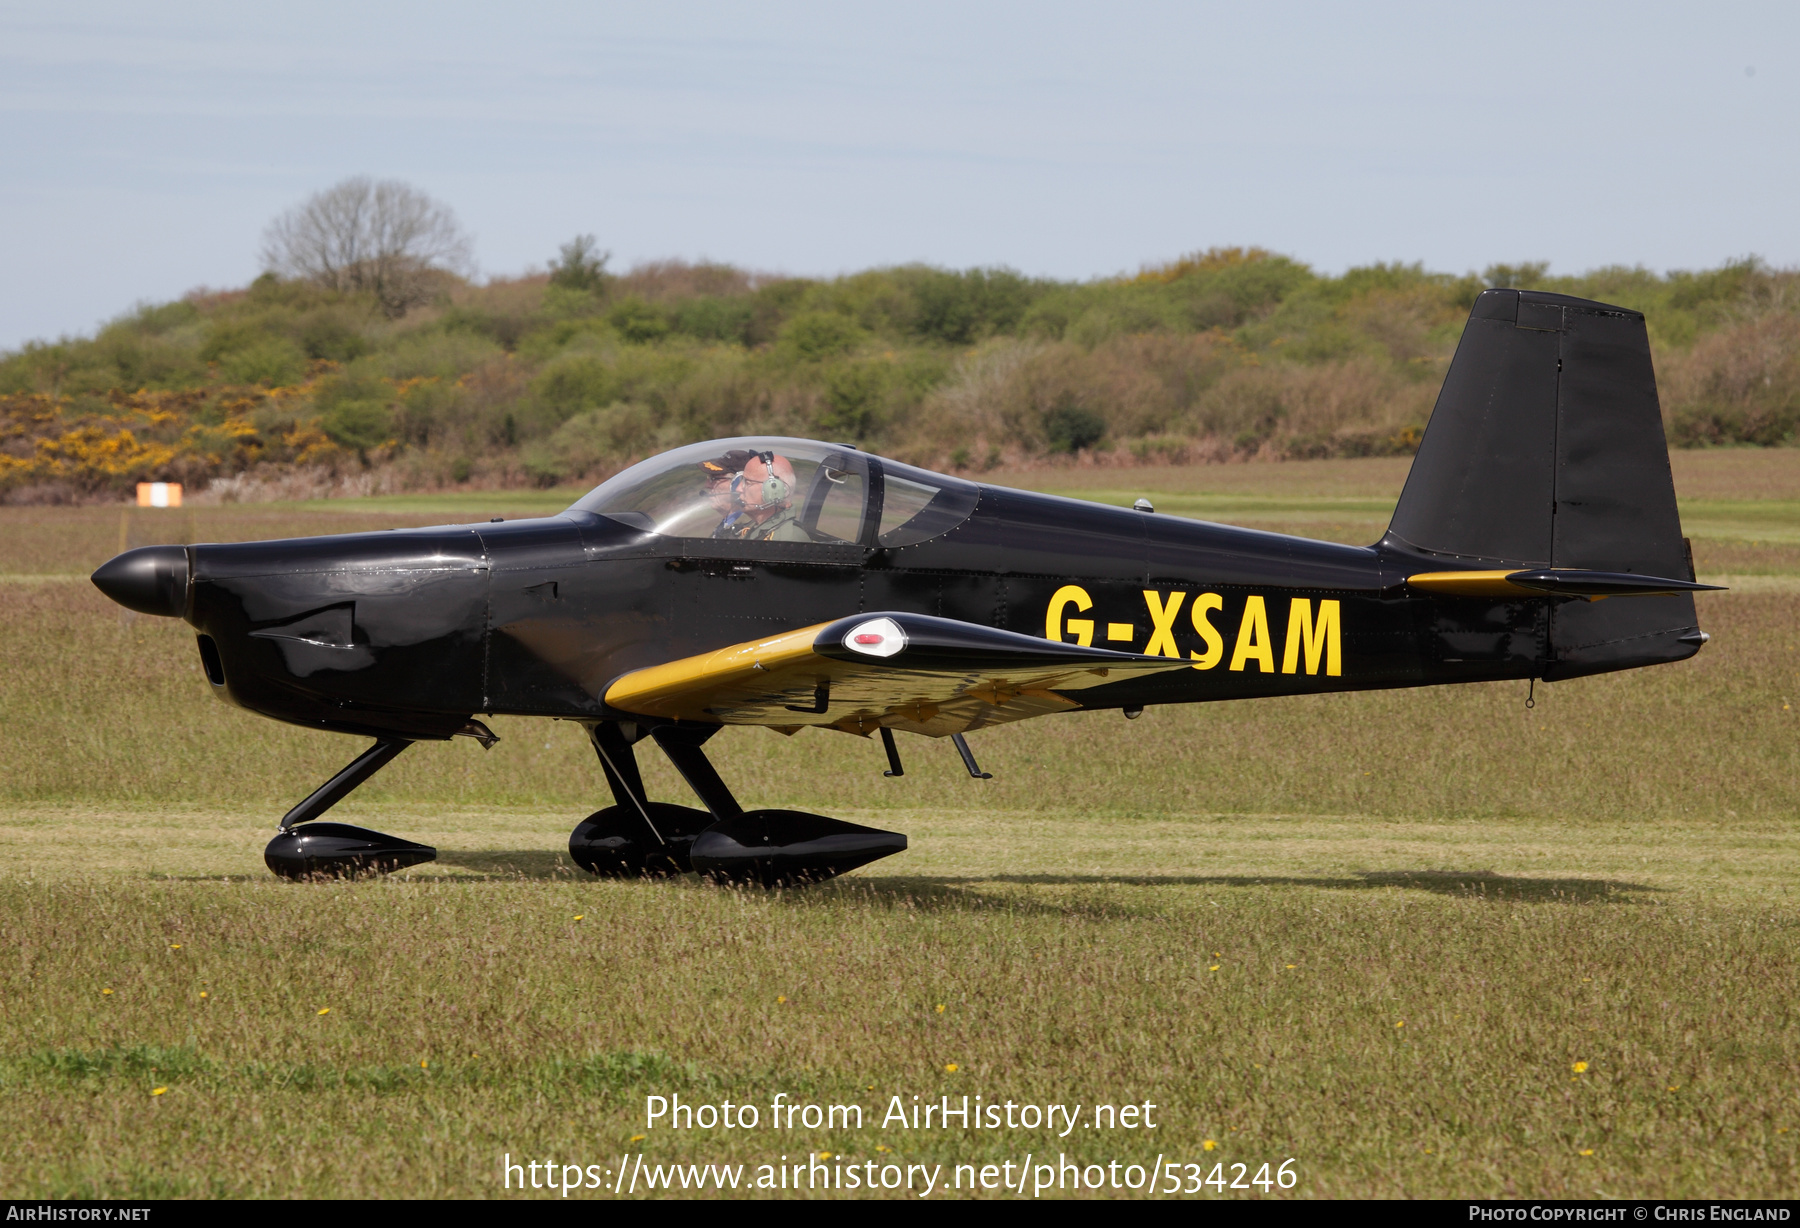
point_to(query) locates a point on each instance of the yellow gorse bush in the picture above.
(187, 435)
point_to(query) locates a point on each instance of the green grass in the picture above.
(1776, 522)
(1261, 1010)
(1607, 878)
(1725, 495)
(530, 502)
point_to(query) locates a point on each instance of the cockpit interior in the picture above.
(779, 489)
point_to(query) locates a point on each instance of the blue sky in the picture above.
(146, 146)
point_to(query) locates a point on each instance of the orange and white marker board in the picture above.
(159, 494)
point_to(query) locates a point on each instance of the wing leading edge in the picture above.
(912, 672)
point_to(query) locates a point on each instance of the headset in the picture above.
(772, 489)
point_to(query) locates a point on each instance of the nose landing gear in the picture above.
(338, 850)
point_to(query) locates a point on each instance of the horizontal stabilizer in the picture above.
(913, 672)
(1551, 581)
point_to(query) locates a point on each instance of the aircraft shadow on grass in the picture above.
(501, 864)
(935, 892)
(924, 894)
(941, 891)
(916, 894)
(1478, 884)
(938, 892)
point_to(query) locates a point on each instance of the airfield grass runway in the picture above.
(1425, 943)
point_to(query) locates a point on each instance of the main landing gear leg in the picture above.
(635, 837)
(770, 847)
(682, 745)
(338, 850)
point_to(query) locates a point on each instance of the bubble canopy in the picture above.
(767, 488)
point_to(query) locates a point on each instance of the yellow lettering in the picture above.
(1209, 634)
(1253, 638)
(1162, 619)
(1081, 628)
(1322, 637)
(1120, 631)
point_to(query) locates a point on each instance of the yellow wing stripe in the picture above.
(738, 663)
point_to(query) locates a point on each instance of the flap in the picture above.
(934, 676)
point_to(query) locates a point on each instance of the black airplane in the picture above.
(793, 583)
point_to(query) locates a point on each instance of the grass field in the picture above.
(1426, 943)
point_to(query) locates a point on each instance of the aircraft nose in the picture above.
(150, 580)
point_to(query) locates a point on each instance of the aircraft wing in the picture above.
(913, 672)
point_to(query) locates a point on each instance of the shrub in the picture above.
(637, 321)
(1070, 427)
(355, 410)
(814, 336)
(1740, 384)
(504, 312)
(1525, 275)
(440, 355)
(855, 394)
(716, 319)
(580, 265)
(575, 383)
(156, 319)
(271, 361)
(958, 308)
(1127, 311)
(594, 441)
(428, 411)
(357, 425)
(332, 335)
(249, 352)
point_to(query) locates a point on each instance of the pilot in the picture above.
(721, 489)
(765, 490)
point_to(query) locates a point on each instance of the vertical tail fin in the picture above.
(1546, 449)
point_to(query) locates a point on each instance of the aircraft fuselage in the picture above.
(409, 632)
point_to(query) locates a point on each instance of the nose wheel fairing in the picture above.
(304, 848)
(338, 850)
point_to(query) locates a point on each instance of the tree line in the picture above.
(367, 348)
